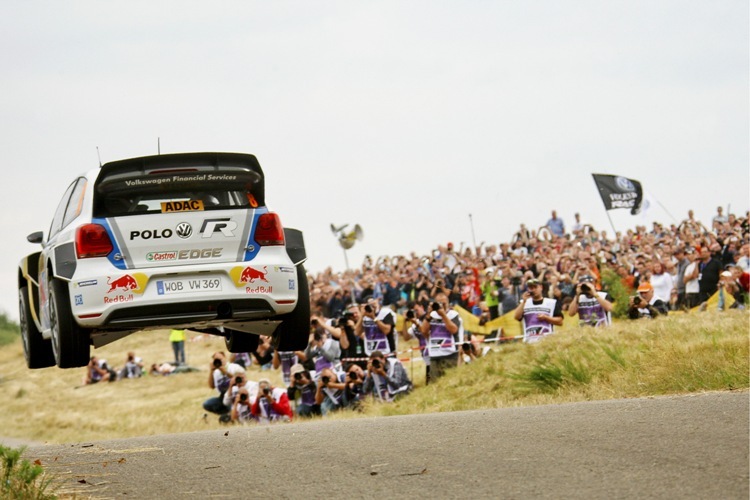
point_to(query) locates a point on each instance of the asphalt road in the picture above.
(668, 447)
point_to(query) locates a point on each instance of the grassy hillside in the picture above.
(680, 354)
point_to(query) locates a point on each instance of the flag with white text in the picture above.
(619, 192)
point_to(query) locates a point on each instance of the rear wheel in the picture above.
(241, 341)
(36, 349)
(294, 331)
(70, 343)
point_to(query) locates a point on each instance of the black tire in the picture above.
(294, 331)
(241, 341)
(70, 343)
(36, 349)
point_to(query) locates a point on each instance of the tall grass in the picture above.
(21, 479)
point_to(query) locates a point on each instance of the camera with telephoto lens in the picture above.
(516, 279)
(466, 347)
(217, 363)
(637, 300)
(325, 379)
(266, 391)
(238, 380)
(314, 322)
(376, 363)
(586, 289)
(368, 308)
(410, 314)
(243, 397)
(353, 376)
(298, 376)
(436, 306)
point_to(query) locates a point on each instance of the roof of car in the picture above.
(184, 159)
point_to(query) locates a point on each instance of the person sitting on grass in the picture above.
(96, 371)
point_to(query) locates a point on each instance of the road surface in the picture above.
(667, 447)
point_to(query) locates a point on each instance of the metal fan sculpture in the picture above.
(347, 239)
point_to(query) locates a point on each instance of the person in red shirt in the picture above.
(272, 404)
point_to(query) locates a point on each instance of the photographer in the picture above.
(241, 408)
(443, 330)
(238, 382)
(593, 308)
(375, 327)
(411, 329)
(352, 346)
(303, 387)
(646, 304)
(285, 360)
(538, 314)
(330, 393)
(386, 378)
(322, 350)
(219, 378)
(353, 392)
(272, 404)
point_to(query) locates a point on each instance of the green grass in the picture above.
(9, 331)
(21, 479)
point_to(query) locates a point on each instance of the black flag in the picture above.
(619, 192)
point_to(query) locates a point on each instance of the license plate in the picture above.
(187, 285)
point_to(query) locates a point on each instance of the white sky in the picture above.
(402, 116)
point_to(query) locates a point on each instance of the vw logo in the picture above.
(184, 230)
(624, 184)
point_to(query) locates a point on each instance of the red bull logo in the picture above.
(249, 275)
(135, 283)
(125, 283)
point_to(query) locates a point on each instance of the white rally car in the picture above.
(168, 241)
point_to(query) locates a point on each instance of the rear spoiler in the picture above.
(295, 245)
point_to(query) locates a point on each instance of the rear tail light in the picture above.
(269, 231)
(92, 240)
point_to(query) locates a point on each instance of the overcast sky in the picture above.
(403, 116)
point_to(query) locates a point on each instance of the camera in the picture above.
(466, 347)
(217, 363)
(298, 376)
(325, 379)
(266, 391)
(637, 300)
(410, 314)
(516, 279)
(376, 363)
(368, 308)
(317, 337)
(243, 397)
(314, 322)
(353, 375)
(436, 306)
(238, 380)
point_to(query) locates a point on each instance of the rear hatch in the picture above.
(172, 210)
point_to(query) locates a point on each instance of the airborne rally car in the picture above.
(168, 241)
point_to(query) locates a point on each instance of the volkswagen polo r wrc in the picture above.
(167, 241)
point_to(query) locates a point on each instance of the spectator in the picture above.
(375, 327)
(594, 308)
(443, 330)
(556, 225)
(219, 378)
(272, 404)
(352, 346)
(238, 382)
(162, 369)
(177, 339)
(302, 389)
(662, 281)
(330, 394)
(386, 378)
(538, 315)
(467, 354)
(133, 367)
(322, 350)
(96, 371)
(646, 304)
(681, 264)
(708, 279)
(690, 276)
(353, 392)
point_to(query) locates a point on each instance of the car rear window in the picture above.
(165, 190)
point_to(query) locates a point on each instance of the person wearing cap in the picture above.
(594, 308)
(646, 304)
(272, 403)
(302, 389)
(538, 314)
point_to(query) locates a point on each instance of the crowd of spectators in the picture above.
(539, 276)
